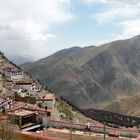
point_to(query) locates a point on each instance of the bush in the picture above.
(65, 108)
(31, 100)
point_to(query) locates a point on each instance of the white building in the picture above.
(5, 104)
(46, 120)
(48, 100)
(13, 73)
(17, 75)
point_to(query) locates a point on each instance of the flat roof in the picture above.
(49, 96)
(21, 113)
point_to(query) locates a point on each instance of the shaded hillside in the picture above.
(92, 76)
(127, 105)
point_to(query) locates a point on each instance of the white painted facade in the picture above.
(48, 100)
(27, 87)
(46, 121)
(49, 103)
(17, 75)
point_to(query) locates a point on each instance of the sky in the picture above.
(38, 28)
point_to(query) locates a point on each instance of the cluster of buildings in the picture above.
(13, 73)
(19, 82)
(21, 90)
(39, 111)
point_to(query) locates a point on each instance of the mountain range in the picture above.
(19, 60)
(105, 77)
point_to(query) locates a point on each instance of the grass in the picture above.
(65, 108)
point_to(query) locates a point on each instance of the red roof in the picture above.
(138, 138)
(12, 69)
(23, 83)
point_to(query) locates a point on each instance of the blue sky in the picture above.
(39, 28)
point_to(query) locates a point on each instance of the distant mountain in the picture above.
(21, 59)
(93, 76)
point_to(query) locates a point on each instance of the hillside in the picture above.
(5, 64)
(92, 76)
(62, 111)
(127, 105)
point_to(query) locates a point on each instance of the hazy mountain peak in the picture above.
(21, 59)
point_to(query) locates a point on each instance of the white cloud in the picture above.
(27, 23)
(130, 28)
(117, 13)
(116, 10)
(111, 1)
(95, 1)
(124, 15)
(26, 26)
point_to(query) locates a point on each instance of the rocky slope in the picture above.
(92, 76)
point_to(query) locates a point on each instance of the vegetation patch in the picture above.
(31, 100)
(66, 109)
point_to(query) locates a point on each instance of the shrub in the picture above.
(65, 108)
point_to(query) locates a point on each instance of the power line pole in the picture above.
(104, 131)
(70, 133)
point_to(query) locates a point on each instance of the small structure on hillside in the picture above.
(13, 73)
(24, 85)
(45, 117)
(17, 75)
(9, 84)
(27, 86)
(5, 104)
(27, 116)
(48, 100)
(22, 117)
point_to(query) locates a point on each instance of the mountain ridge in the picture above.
(92, 75)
